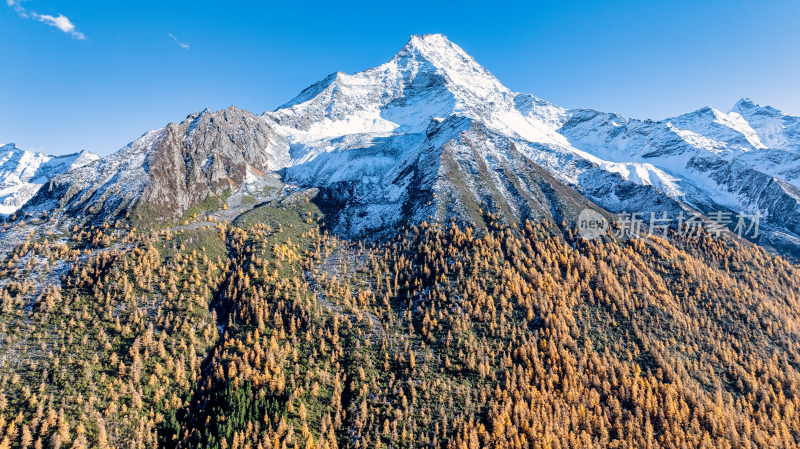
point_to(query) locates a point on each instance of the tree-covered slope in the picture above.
(271, 332)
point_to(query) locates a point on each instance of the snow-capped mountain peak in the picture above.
(776, 129)
(429, 77)
(743, 103)
(22, 173)
(746, 106)
(437, 49)
(730, 128)
(428, 80)
(434, 53)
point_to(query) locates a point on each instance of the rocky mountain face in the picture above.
(207, 155)
(22, 173)
(431, 134)
(166, 171)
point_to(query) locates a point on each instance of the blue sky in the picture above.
(95, 75)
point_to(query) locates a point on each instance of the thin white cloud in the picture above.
(15, 4)
(183, 45)
(61, 21)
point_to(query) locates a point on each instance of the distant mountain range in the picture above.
(433, 134)
(22, 173)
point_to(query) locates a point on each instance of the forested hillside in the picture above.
(268, 332)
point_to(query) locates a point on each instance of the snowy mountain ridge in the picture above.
(22, 173)
(706, 159)
(432, 133)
